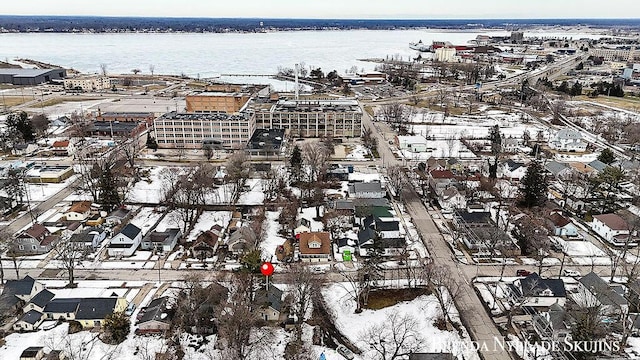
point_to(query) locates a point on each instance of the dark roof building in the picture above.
(95, 308)
(42, 298)
(30, 76)
(130, 231)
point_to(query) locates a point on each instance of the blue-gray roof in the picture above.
(42, 298)
(534, 285)
(130, 231)
(60, 306)
(555, 167)
(31, 317)
(598, 165)
(95, 308)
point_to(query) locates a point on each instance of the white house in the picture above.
(415, 143)
(90, 238)
(612, 228)
(593, 290)
(126, 241)
(79, 211)
(512, 170)
(161, 241)
(539, 292)
(568, 140)
(562, 226)
(366, 190)
(29, 321)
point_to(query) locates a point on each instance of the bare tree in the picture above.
(130, 149)
(396, 337)
(315, 156)
(103, 69)
(152, 69)
(186, 191)
(70, 254)
(238, 171)
(304, 286)
(82, 346)
(396, 178)
(240, 329)
(358, 285)
(445, 288)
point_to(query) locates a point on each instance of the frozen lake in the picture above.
(211, 54)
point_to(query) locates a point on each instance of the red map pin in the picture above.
(266, 269)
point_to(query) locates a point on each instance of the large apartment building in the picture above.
(312, 118)
(192, 130)
(217, 101)
(88, 83)
(621, 53)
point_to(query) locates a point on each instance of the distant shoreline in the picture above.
(89, 24)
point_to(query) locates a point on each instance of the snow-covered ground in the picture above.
(149, 190)
(272, 238)
(146, 218)
(206, 220)
(424, 310)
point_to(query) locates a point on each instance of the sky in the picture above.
(332, 9)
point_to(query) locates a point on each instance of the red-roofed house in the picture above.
(562, 226)
(60, 148)
(36, 240)
(79, 211)
(613, 228)
(315, 246)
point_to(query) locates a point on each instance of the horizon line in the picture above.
(329, 18)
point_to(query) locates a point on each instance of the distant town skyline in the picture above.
(330, 9)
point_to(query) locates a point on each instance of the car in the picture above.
(130, 309)
(523, 272)
(572, 273)
(318, 270)
(345, 352)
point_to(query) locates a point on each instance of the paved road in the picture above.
(476, 319)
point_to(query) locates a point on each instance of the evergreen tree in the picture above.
(20, 125)
(496, 140)
(109, 197)
(534, 186)
(607, 156)
(116, 327)
(296, 163)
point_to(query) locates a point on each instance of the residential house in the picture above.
(269, 303)
(511, 144)
(29, 321)
(117, 216)
(385, 228)
(568, 140)
(562, 226)
(35, 241)
(92, 311)
(205, 245)
(381, 234)
(450, 198)
(478, 231)
(16, 293)
(614, 229)
(157, 317)
(39, 301)
(538, 292)
(345, 246)
(62, 309)
(126, 242)
(416, 144)
(24, 149)
(89, 238)
(315, 246)
(32, 353)
(552, 325)
(79, 211)
(366, 190)
(511, 169)
(593, 290)
(241, 240)
(303, 225)
(558, 170)
(598, 166)
(161, 241)
(60, 148)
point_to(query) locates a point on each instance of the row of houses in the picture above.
(34, 304)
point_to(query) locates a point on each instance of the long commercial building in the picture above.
(217, 101)
(30, 76)
(192, 130)
(313, 118)
(88, 83)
